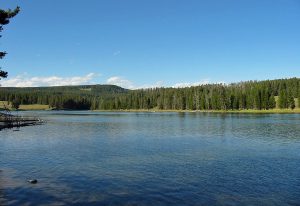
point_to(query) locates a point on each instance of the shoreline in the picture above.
(245, 111)
(250, 111)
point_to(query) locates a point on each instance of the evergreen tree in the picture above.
(5, 16)
(272, 102)
(282, 99)
(291, 102)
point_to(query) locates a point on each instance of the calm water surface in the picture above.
(94, 158)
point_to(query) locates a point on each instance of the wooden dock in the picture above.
(10, 121)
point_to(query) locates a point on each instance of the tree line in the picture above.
(260, 95)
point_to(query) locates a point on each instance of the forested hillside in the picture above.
(60, 97)
(244, 95)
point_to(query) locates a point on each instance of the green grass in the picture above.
(3, 104)
(34, 107)
(255, 111)
(25, 107)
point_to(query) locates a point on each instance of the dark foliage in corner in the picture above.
(5, 16)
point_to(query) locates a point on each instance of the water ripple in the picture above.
(96, 158)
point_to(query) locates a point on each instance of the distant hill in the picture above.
(60, 97)
(84, 90)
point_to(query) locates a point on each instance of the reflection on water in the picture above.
(92, 158)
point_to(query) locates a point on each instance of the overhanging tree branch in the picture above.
(5, 16)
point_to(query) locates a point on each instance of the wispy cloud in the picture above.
(155, 85)
(190, 84)
(27, 81)
(125, 83)
(120, 81)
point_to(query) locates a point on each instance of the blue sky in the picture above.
(144, 43)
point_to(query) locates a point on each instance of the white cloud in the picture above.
(155, 85)
(190, 84)
(27, 81)
(125, 83)
(120, 81)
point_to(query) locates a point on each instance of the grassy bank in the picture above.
(25, 107)
(250, 111)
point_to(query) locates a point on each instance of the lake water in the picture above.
(103, 158)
